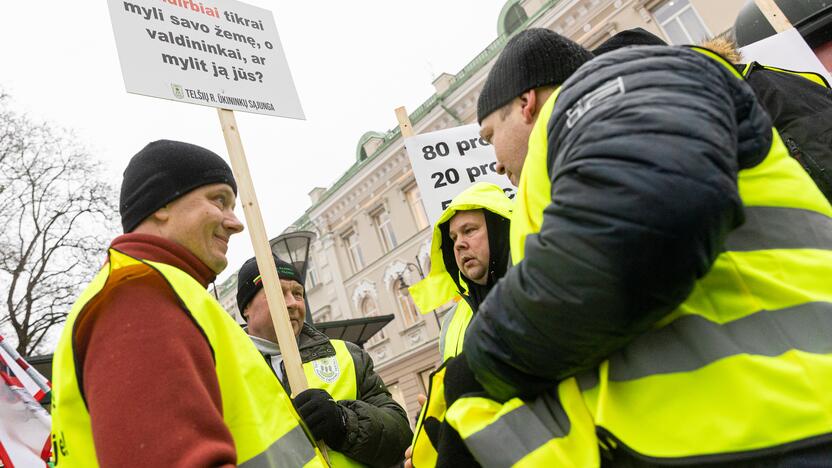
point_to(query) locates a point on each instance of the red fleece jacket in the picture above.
(148, 372)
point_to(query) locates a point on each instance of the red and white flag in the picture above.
(24, 425)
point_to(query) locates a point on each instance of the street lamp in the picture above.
(294, 248)
(404, 284)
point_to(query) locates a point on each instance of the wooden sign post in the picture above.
(263, 254)
(404, 122)
(265, 262)
(774, 15)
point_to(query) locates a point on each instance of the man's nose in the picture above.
(291, 302)
(501, 169)
(232, 224)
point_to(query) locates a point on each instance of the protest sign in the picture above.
(448, 161)
(219, 53)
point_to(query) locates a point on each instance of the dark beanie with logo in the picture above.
(533, 58)
(164, 171)
(249, 280)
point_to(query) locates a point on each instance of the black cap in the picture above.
(164, 171)
(533, 58)
(249, 280)
(630, 37)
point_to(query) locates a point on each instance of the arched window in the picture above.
(515, 17)
(370, 309)
(407, 309)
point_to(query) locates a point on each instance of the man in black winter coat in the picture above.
(367, 427)
(629, 202)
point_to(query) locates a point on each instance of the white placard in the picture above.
(785, 50)
(218, 53)
(447, 162)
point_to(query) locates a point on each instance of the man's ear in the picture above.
(162, 214)
(528, 106)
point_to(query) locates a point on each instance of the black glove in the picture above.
(459, 379)
(323, 416)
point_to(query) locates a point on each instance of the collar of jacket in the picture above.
(312, 345)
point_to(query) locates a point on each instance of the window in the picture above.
(407, 309)
(417, 208)
(323, 315)
(681, 22)
(354, 251)
(424, 379)
(381, 219)
(370, 309)
(515, 17)
(312, 279)
(398, 397)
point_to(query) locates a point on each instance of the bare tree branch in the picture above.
(57, 215)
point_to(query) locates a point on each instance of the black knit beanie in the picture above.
(533, 58)
(164, 171)
(630, 37)
(249, 280)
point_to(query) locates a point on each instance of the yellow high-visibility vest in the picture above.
(453, 330)
(744, 365)
(259, 414)
(336, 375)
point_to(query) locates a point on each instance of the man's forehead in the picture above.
(466, 216)
(290, 283)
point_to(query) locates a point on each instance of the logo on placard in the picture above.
(178, 92)
(327, 369)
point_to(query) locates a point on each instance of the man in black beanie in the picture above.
(347, 404)
(634, 250)
(532, 65)
(146, 332)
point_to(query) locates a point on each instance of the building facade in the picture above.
(372, 232)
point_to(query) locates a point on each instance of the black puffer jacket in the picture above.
(377, 429)
(644, 190)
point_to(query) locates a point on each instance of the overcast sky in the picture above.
(352, 63)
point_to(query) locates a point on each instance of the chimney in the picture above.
(315, 194)
(443, 82)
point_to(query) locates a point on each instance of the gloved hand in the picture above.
(323, 416)
(460, 380)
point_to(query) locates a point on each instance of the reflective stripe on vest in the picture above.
(811, 76)
(744, 365)
(336, 375)
(533, 434)
(259, 415)
(453, 330)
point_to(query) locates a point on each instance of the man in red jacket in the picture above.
(154, 355)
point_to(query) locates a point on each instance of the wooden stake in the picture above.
(404, 122)
(265, 262)
(774, 15)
